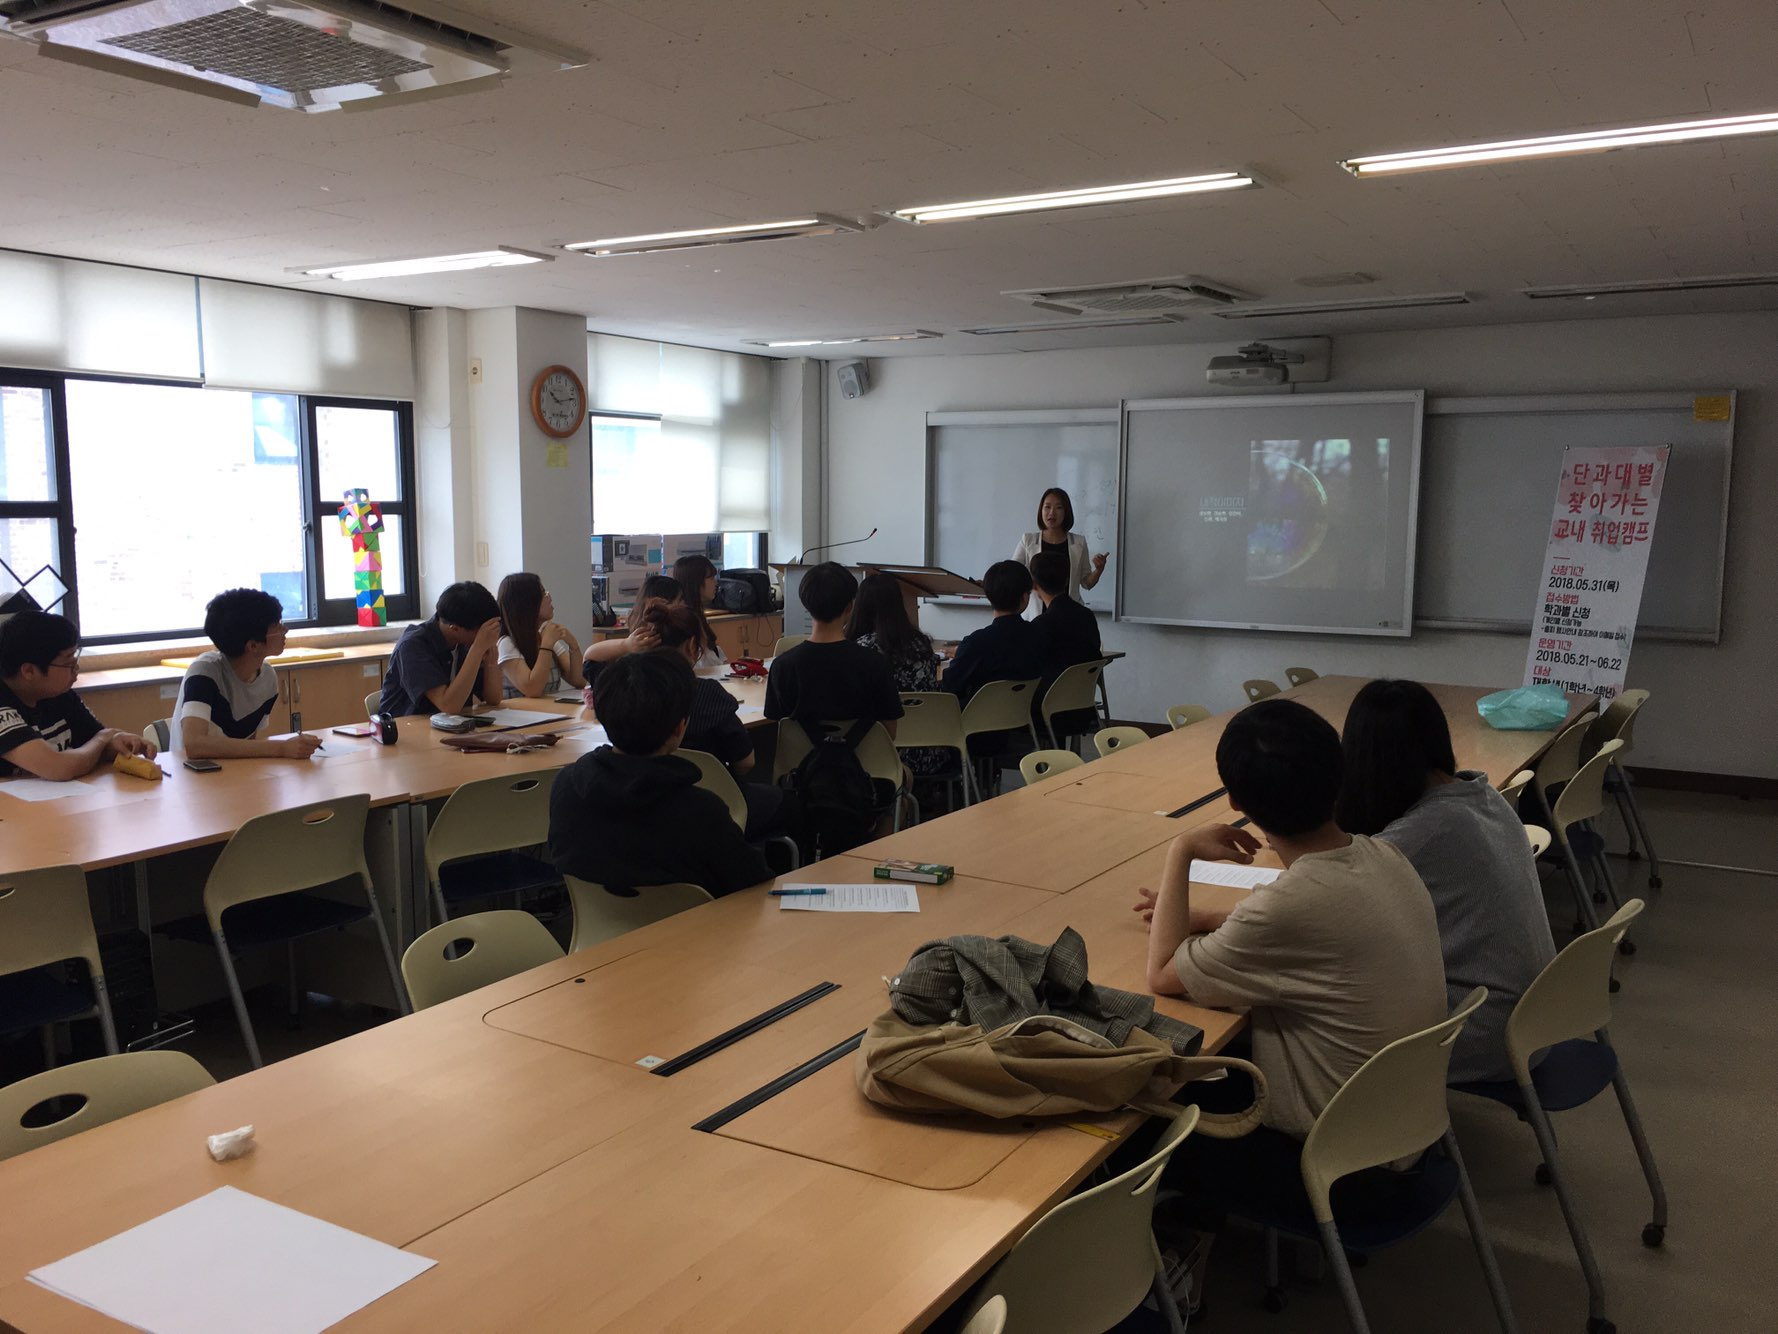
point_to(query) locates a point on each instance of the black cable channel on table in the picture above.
(1191, 806)
(745, 1028)
(765, 1092)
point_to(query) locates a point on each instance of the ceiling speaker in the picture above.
(854, 378)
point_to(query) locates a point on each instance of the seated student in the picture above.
(1338, 956)
(1005, 649)
(536, 653)
(880, 621)
(45, 731)
(227, 696)
(827, 677)
(631, 814)
(661, 588)
(696, 576)
(1067, 634)
(1464, 839)
(439, 665)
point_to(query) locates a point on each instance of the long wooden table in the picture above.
(512, 1135)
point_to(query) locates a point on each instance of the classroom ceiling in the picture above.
(705, 112)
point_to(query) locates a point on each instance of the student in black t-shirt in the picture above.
(439, 665)
(827, 677)
(631, 814)
(45, 731)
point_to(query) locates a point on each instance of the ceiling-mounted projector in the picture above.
(1253, 365)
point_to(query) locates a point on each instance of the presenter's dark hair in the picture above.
(881, 613)
(236, 618)
(641, 697)
(1396, 737)
(1005, 583)
(827, 590)
(1067, 508)
(1049, 571)
(1282, 765)
(34, 638)
(466, 605)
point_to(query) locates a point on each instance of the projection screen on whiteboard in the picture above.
(1271, 512)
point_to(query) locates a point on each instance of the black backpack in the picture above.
(838, 798)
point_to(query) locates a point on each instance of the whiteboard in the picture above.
(986, 472)
(1491, 467)
(1292, 512)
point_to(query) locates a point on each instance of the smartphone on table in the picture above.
(203, 766)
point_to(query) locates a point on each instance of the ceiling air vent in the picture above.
(1180, 296)
(307, 55)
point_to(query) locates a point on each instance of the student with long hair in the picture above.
(1402, 785)
(657, 590)
(880, 621)
(697, 583)
(537, 654)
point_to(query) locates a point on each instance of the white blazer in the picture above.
(1080, 560)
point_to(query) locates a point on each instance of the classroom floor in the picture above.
(1697, 1026)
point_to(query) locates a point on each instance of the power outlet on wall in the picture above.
(475, 370)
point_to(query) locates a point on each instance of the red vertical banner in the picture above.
(1594, 567)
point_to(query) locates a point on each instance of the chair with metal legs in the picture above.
(1618, 723)
(107, 1088)
(1184, 715)
(1075, 691)
(999, 706)
(475, 847)
(1564, 1013)
(1258, 688)
(1576, 806)
(252, 895)
(45, 920)
(714, 776)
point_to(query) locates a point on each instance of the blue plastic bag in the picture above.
(1525, 709)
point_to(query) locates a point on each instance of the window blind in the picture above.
(74, 315)
(272, 338)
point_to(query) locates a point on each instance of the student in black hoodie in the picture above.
(631, 813)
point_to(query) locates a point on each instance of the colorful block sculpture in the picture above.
(362, 521)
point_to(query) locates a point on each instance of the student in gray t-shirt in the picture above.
(1402, 786)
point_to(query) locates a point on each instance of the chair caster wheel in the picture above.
(1274, 1301)
(1654, 882)
(1598, 1324)
(1616, 986)
(1654, 1234)
(1626, 947)
(1542, 1175)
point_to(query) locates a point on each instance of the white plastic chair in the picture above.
(110, 1088)
(1301, 676)
(1580, 801)
(474, 951)
(602, 915)
(1042, 764)
(373, 703)
(991, 1319)
(1109, 739)
(160, 731)
(714, 776)
(45, 919)
(1090, 1261)
(1075, 690)
(876, 752)
(481, 820)
(1258, 688)
(1564, 1013)
(933, 720)
(1618, 723)
(1184, 715)
(786, 642)
(999, 706)
(1513, 787)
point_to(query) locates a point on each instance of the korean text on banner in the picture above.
(1593, 570)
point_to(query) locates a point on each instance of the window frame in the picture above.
(61, 507)
(334, 613)
(593, 416)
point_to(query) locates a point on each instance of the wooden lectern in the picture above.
(917, 581)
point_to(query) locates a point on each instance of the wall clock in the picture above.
(558, 402)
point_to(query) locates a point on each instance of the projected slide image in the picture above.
(1310, 513)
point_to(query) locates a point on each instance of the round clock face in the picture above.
(558, 401)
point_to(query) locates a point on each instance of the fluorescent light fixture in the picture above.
(1083, 198)
(1340, 307)
(1587, 291)
(1557, 145)
(816, 224)
(1068, 326)
(914, 336)
(500, 257)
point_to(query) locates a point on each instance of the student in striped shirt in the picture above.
(228, 694)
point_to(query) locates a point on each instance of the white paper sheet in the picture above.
(518, 718)
(877, 896)
(42, 789)
(229, 1261)
(1232, 873)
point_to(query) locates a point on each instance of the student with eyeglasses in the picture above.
(45, 731)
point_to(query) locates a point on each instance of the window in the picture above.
(169, 493)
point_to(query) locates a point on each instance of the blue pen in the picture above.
(795, 893)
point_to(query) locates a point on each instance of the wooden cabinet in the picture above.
(131, 708)
(328, 694)
(747, 636)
